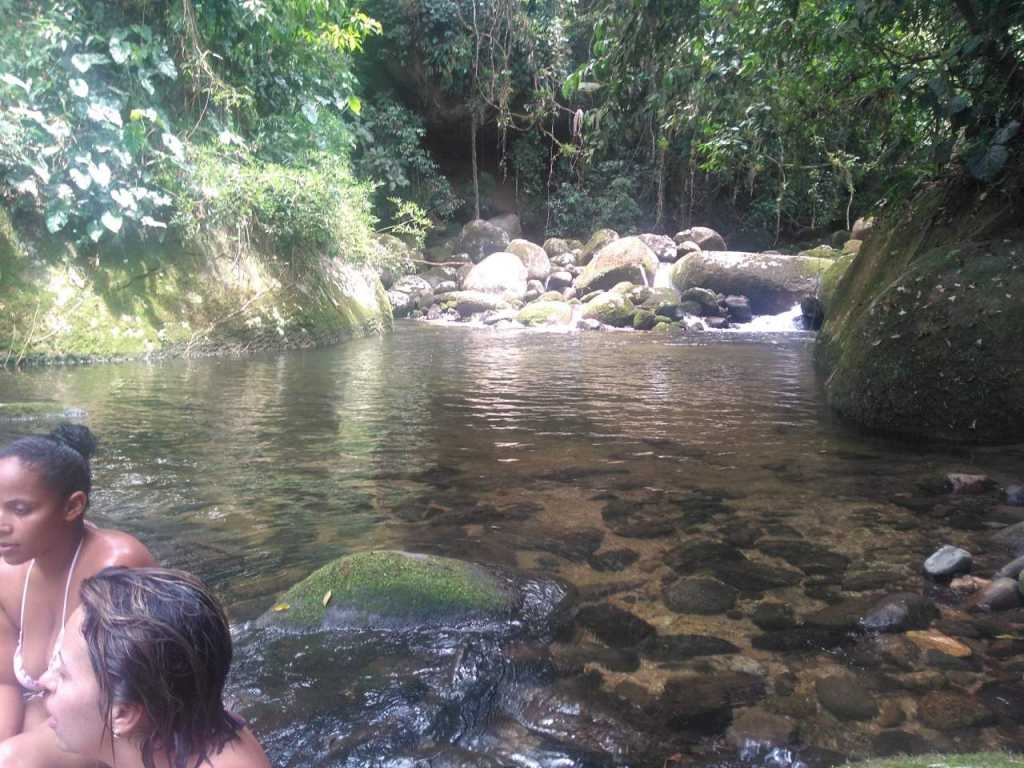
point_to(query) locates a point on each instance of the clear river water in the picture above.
(628, 465)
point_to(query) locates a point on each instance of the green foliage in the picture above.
(303, 212)
(81, 131)
(389, 151)
(608, 198)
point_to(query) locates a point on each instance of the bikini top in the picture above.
(30, 684)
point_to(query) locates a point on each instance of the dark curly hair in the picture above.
(157, 638)
(62, 457)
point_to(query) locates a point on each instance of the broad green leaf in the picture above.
(78, 87)
(174, 145)
(111, 221)
(149, 221)
(41, 171)
(100, 173)
(27, 186)
(165, 66)
(123, 198)
(83, 62)
(95, 231)
(120, 49)
(147, 84)
(82, 180)
(12, 80)
(105, 112)
(355, 104)
(56, 220)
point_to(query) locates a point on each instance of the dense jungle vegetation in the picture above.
(285, 119)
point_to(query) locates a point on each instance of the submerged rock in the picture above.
(699, 595)
(900, 612)
(845, 698)
(948, 560)
(613, 625)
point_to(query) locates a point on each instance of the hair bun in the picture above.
(77, 436)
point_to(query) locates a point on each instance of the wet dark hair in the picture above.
(62, 457)
(158, 639)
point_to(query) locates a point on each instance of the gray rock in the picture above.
(597, 241)
(964, 484)
(664, 247)
(862, 227)
(627, 259)
(685, 247)
(556, 246)
(1015, 495)
(536, 261)
(468, 303)
(1012, 536)
(812, 313)
(738, 309)
(613, 625)
(401, 303)
(708, 301)
(758, 726)
(773, 616)
(1012, 569)
(500, 273)
(948, 560)
(1002, 594)
(559, 281)
(900, 612)
(845, 698)
(705, 238)
(481, 238)
(676, 648)
(589, 324)
(508, 222)
(703, 596)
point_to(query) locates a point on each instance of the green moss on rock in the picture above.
(610, 308)
(545, 313)
(391, 586)
(918, 331)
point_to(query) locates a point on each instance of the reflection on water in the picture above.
(512, 448)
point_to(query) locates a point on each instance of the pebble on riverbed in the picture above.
(948, 560)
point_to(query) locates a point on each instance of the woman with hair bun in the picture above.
(139, 680)
(47, 550)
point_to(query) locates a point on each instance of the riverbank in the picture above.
(213, 294)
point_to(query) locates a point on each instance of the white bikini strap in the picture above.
(24, 597)
(67, 586)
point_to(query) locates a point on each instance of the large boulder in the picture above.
(468, 303)
(610, 308)
(387, 588)
(545, 313)
(705, 237)
(418, 289)
(508, 222)
(502, 273)
(556, 246)
(772, 282)
(625, 259)
(597, 241)
(482, 238)
(534, 258)
(663, 247)
(862, 227)
(919, 333)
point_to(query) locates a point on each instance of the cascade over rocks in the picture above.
(772, 282)
(626, 259)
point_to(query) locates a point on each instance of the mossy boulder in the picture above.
(610, 308)
(708, 301)
(536, 261)
(644, 320)
(471, 302)
(821, 252)
(627, 259)
(545, 313)
(202, 296)
(556, 246)
(921, 331)
(390, 588)
(830, 279)
(772, 282)
(597, 241)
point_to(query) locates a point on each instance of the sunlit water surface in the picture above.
(252, 472)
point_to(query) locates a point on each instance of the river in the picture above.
(252, 472)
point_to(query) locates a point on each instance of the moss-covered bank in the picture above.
(214, 294)
(924, 334)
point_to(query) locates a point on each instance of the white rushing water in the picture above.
(785, 322)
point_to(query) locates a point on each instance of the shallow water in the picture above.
(251, 472)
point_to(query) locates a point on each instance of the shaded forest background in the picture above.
(285, 120)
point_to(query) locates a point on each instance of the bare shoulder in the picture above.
(12, 578)
(243, 752)
(120, 548)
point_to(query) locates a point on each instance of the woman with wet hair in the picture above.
(139, 680)
(47, 550)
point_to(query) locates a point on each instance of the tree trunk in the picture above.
(476, 174)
